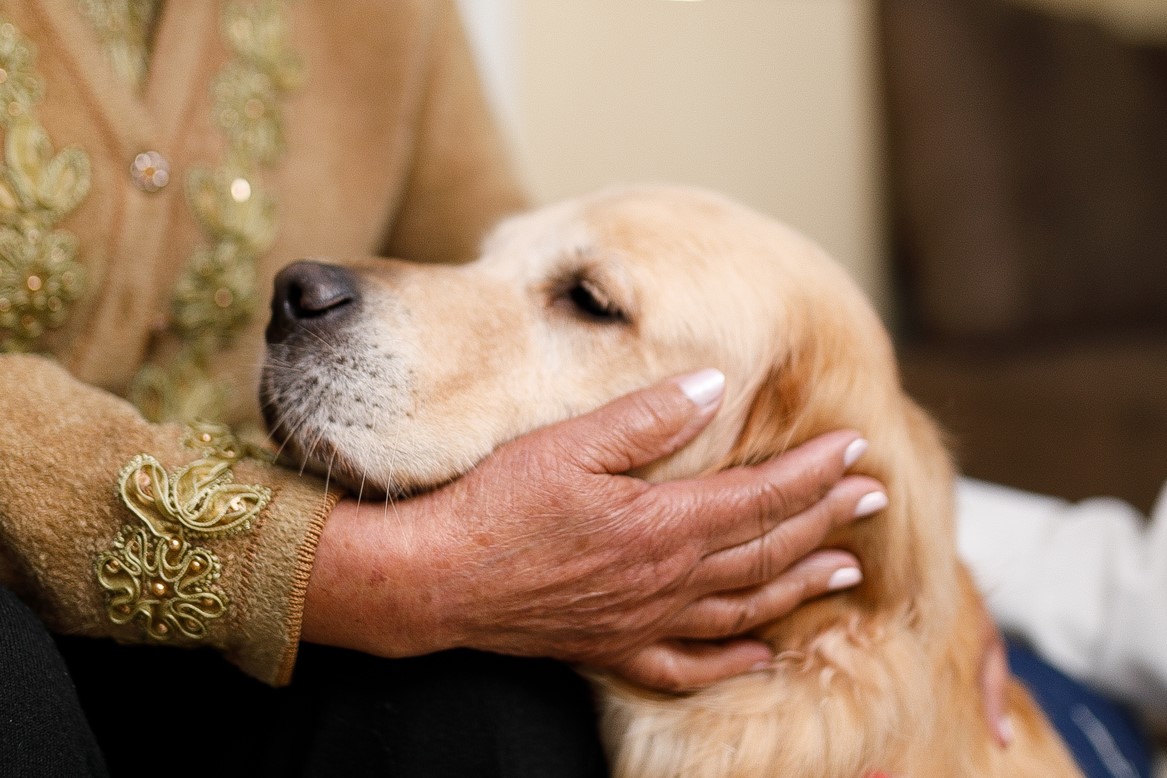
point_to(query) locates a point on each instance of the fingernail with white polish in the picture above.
(854, 450)
(870, 503)
(844, 578)
(703, 387)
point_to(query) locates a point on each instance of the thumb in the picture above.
(679, 666)
(643, 426)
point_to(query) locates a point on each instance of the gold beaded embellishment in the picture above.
(39, 274)
(156, 574)
(124, 28)
(216, 295)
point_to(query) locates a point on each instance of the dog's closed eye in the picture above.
(587, 299)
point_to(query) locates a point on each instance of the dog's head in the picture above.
(397, 377)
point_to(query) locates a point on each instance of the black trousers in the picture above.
(157, 711)
(42, 729)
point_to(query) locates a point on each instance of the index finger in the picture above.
(743, 503)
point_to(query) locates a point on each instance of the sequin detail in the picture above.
(39, 273)
(219, 441)
(156, 574)
(216, 296)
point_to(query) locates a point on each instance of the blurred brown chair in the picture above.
(1028, 160)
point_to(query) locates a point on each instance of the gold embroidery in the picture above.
(218, 440)
(39, 274)
(155, 574)
(200, 497)
(216, 295)
(163, 582)
(249, 90)
(124, 28)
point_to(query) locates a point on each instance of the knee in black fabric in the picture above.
(43, 731)
(458, 713)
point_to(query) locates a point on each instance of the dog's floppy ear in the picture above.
(770, 423)
(831, 370)
(839, 371)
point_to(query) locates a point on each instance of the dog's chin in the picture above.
(329, 459)
(387, 486)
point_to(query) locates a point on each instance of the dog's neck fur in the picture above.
(853, 647)
(851, 689)
(843, 375)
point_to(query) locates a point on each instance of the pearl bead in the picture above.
(150, 171)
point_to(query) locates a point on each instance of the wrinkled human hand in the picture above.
(547, 549)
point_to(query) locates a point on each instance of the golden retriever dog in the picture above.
(577, 303)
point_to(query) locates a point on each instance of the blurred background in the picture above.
(992, 172)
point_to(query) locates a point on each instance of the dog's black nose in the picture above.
(309, 295)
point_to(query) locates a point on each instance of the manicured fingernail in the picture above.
(760, 666)
(853, 451)
(1005, 730)
(703, 387)
(844, 578)
(870, 503)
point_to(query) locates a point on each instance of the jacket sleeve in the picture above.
(111, 526)
(1085, 583)
(461, 180)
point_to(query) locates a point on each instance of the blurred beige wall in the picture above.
(770, 101)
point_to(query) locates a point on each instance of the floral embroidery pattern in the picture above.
(164, 583)
(39, 274)
(123, 26)
(155, 574)
(216, 295)
(217, 440)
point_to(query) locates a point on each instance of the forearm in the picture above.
(371, 588)
(110, 526)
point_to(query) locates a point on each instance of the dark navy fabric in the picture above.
(1104, 737)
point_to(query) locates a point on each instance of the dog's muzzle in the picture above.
(311, 296)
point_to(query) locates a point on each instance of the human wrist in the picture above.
(372, 585)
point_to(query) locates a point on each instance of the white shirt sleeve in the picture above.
(1084, 583)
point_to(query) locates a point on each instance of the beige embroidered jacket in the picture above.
(341, 128)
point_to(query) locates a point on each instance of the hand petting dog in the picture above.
(547, 548)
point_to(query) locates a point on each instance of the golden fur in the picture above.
(450, 362)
